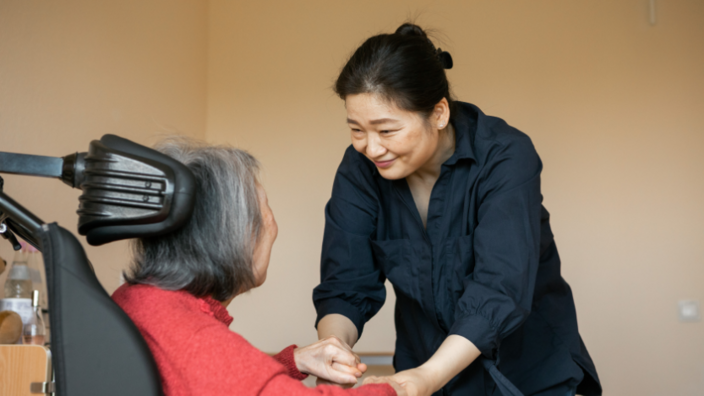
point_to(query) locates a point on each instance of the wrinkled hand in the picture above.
(400, 389)
(330, 359)
(414, 382)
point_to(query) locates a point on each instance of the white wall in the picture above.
(72, 71)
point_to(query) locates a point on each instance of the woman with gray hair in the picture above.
(180, 284)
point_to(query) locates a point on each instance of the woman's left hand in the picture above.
(453, 356)
(416, 382)
(330, 359)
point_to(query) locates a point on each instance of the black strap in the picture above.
(505, 386)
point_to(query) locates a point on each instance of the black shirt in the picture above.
(485, 267)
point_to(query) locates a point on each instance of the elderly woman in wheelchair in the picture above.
(179, 286)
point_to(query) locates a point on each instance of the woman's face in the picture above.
(399, 142)
(268, 232)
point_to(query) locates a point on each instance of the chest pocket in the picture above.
(405, 263)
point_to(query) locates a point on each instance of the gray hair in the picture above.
(211, 255)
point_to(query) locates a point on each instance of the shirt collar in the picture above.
(215, 309)
(466, 122)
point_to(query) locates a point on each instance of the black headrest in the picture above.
(130, 190)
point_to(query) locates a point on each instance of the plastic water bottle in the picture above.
(18, 289)
(19, 279)
(36, 272)
(34, 330)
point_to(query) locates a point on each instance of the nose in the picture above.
(374, 147)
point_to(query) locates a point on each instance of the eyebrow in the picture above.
(373, 122)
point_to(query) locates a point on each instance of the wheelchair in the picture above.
(128, 191)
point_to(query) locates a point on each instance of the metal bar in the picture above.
(42, 387)
(29, 237)
(19, 214)
(32, 165)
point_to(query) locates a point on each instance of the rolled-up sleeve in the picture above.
(498, 295)
(350, 282)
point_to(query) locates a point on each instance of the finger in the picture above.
(342, 356)
(344, 369)
(357, 359)
(362, 367)
(341, 378)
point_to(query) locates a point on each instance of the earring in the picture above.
(441, 126)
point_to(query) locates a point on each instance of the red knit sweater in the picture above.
(197, 354)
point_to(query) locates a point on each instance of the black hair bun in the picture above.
(409, 29)
(445, 58)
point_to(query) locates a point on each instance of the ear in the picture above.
(441, 114)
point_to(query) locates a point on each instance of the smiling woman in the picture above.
(445, 202)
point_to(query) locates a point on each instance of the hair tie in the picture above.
(445, 59)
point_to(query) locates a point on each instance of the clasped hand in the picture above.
(333, 362)
(330, 359)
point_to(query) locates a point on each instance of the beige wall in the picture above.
(615, 107)
(71, 71)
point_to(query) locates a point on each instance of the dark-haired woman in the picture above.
(445, 202)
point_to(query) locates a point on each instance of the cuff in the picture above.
(479, 331)
(286, 358)
(342, 307)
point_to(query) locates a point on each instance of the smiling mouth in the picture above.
(384, 164)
